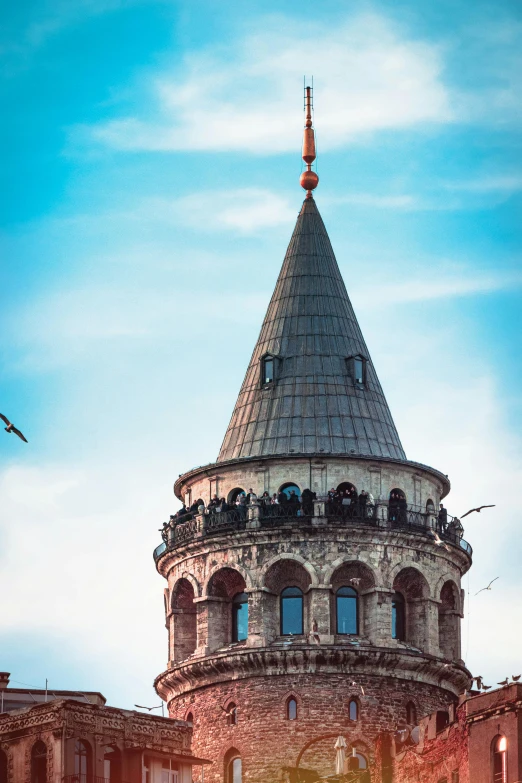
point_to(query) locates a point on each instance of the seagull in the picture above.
(148, 708)
(478, 680)
(11, 428)
(476, 509)
(504, 682)
(356, 685)
(516, 677)
(489, 586)
(439, 542)
(486, 687)
(356, 581)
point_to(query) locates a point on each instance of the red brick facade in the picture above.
(267, 741)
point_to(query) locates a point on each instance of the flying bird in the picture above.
(489, 586)
(356, 581)
(478, 680)
(439, 542)
(479, 509)
(356, 685)
(504, 682)
(486, 687)
(516, 677)
(11, 428)
(148, 708)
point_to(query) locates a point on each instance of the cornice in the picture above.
(307, 659)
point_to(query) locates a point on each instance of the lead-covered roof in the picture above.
(314, 404)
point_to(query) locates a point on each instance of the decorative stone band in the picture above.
(307, 659)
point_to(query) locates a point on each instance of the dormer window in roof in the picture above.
(357, 369)
(268, 369)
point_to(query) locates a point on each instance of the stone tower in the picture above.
(293, 623)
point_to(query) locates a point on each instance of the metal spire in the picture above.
(309, 179)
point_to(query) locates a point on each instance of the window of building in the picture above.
(82, 758)
(39, 762)
(500, 760)
(357, 369)
(3, 767)
(347, 606)
(112, 764)
(146, 771)
(234, 770)
(291, 709)
(357, 761)
(455, 777)
(190, 719)
(234, 494)
(292, 611)
(411, 714)
(353, 709)
(290, 488)
(231, 713)
(240, 617)
(398, 617)
(268, 369)
(441, 720)
(169, 771)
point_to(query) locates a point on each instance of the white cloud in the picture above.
(370, 76)
(492, 184)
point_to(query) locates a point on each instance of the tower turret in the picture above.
(312, 599)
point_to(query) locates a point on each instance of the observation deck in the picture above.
(317, 517)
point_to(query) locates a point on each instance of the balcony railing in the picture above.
(258, 515)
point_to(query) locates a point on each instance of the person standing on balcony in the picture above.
(307, 499)
(442, 518)
(363, 500)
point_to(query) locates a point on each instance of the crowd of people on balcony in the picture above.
(343, 501)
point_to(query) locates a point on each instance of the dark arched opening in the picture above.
(441, 720)
(234, 494)
(3, 767)
(39, 762)
(411, 714)
(112, 764)
(347, 611)
(353, 709)
(397, 506)
(185, 620)
(292, 620)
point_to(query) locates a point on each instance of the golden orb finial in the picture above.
(309, 179)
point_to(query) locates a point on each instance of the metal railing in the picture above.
(261, 515)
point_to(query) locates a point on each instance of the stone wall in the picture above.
(419, 483)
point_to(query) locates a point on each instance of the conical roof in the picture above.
(314, 404)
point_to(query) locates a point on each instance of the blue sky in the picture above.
(150, 187)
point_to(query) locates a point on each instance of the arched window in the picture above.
(112, 764)
(499, 760)
(346, 485)
(290, 489)
(231, 713)
(234, 494)
(411, 714)
(292, 611)
(39, 762)
(291, 709)
(240, 617)
(3, 767)
(430, 506)
(347, 606)
(357, 761)
(190, 719)
(234, 770)
(398, 617)
(353, 709)
(82, 758)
